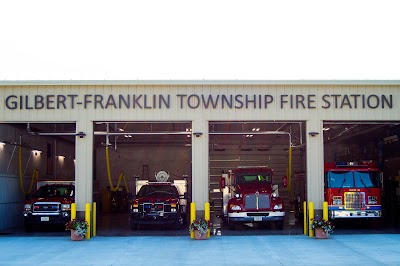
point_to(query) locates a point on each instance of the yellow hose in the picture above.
(35, 173)
(121, 176)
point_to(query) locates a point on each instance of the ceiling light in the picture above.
(326, 128)
(255, 129)
(36, 152)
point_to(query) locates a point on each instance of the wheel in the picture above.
(28, 228)
(134, 226)
(177, 225)
(279, 225)
(231, 225)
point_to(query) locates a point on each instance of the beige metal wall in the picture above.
(313, 113)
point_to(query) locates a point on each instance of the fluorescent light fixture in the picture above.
(2, 143)
(61, 157)
(36, 152)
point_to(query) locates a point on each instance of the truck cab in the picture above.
(51, 204)
(250, 196)
(158, 203)
(353, 190)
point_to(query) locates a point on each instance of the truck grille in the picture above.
(150, 207)
(354, 200)
(46, 207)
(251, 201)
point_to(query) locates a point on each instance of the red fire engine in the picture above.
(353, 190)
(249, 196)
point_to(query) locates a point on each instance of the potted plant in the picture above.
(200, 228)
(323, 228)
(78, 229)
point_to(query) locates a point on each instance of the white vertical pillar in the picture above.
(315, 163)
(84, 164)
(200, 163)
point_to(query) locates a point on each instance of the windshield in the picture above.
(55, 191)
(357, 179)
(158, 191)
(367, 179)
(253, 177)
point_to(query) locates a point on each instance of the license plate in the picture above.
(44, 219)
(257, 219)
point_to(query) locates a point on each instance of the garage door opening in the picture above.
(34, 156)
(278, 146)
(365, 156)
(128, 155)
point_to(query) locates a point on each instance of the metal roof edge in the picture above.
(196, 82)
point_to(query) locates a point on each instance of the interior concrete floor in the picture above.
(117, 224)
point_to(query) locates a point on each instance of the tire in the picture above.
(134, 226)
(28, 228)
(177, 225)
(279, 225)
(231, 225)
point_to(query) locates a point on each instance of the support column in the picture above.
(315, 164)
(84, 165)
(200, 165)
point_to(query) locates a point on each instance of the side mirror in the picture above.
(184, 196)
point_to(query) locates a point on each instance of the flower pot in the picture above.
(319, 233)
(199, 237)
(75, 237)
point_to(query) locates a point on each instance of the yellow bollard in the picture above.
(305, 229)
(311, 216)
(73, 211)
(192, 215)
(325, 210)
(87, 218)
(94, 219)
(207, 215)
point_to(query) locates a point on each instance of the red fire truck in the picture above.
(249, 196)
(353, 190)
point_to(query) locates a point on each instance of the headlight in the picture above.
(65, 207)
(372, 199)
(278, 207)
(237, 195)
(173, 210)
(27, 207)
(235, 207)
(337, 200)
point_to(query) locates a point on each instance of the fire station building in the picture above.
(194, 131)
